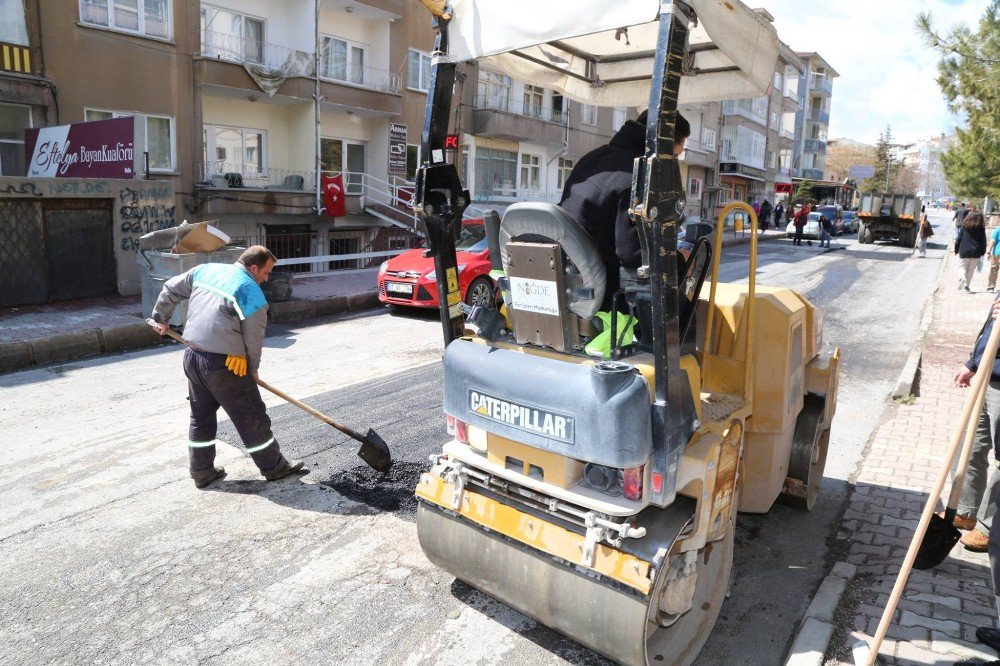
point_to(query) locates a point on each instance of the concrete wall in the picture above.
(138, 207)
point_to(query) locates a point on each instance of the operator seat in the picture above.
(538, 222)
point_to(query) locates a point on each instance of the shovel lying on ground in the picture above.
(863, 654)
(374, 451)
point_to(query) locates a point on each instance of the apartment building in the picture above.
(26, 95)
(812, 121)
(784, 103)
(700, 160)
(924, 157)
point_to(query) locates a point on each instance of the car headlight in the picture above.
(432, 276)
(383, 267)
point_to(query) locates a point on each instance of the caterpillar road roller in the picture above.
(594, 487)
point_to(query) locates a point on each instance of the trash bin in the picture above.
(158, 267)
(278, 287)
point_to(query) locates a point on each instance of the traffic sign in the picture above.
(862, 172)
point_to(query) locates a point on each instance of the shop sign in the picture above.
(397, 149)
(98, 149)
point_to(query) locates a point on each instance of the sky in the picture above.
(887, 74)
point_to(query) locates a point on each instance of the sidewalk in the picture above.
(40, 334)
(941, 607)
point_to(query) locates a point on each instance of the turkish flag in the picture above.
(333, 195)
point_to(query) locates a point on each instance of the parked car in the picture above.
(851, 222)
(811, 228)
(409, 278)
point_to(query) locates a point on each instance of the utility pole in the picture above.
(318, 120)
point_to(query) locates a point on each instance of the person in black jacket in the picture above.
(597, 196)
(970, 246)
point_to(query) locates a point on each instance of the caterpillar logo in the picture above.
(522, 417)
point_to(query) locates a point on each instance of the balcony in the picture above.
(812, 174)
(746, 108)
(501, 118)
(269, 190)
(819, 116)
(821, 85)
(791, 101)
(287, 72)
(815, 146)
(786, 134)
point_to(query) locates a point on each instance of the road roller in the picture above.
(597, 461)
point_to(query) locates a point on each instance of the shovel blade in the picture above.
(940, 538)
(375, 452)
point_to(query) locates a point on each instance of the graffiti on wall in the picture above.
(142, 210)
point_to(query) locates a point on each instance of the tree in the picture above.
(841, 155)
(804, 191)
(969, 77)
(886, 167)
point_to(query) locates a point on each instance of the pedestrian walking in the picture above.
(226, 321)
(756, 207)
(958, 217)
(779, 213)
(994, 252)
(970, 246)
(799, 220)
(923, 233)
(765, 215)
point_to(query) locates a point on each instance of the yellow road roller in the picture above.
(594, 487)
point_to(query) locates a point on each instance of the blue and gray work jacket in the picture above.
(227, 311)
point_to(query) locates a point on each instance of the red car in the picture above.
(409, 279)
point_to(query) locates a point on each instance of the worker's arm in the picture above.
(253, 329)
(175, 290)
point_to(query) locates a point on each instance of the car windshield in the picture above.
(472, 238)
(814, 217)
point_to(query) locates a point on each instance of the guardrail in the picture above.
(236, 48)
(519, 107)
(372, 78)
(235, 175)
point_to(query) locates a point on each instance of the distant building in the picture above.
(812, 121)
(925, 157)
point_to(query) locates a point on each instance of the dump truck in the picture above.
(596, 490)
(889, 216)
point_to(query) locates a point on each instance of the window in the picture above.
(694, 188)
(419, 68)
(14, 119)
(777, 81)
(533, 96)
(347, 157)
(144, 17)
(772, 160)
(493, 91)
(531, 172)
(235, 149)
(13, 24)
(496, 171)
(226, 34)
(343, 60)
(560, 108)
(708, 139)
(775, 121)
(588, 114)
(562, 175)
(156, 133)
(618, 118)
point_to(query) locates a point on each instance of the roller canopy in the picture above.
(601, 52)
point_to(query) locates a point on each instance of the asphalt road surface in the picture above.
(108, 553)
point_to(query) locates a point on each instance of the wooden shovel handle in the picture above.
(978, 386)
(306, 408)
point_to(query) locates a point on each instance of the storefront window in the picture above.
(14, 119)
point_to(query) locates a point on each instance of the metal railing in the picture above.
(349, 73)
(815, 146)
(236, 175)
(745, 108)
(818, 115)
(821, 84)
(786, 133)
(236, 48)
(812, 174)
(514, 194)
(529, 109)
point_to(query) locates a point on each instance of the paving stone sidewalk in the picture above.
(940, 609)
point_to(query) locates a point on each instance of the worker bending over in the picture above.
(226, 320)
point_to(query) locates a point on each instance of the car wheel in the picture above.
(480, 292)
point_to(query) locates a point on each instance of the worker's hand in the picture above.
(996, 308)
(158, 327)
(963, 377)
(237, 365)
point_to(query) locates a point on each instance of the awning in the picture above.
(602, 53)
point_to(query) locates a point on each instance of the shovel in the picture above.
(374, 451)
(863, 654)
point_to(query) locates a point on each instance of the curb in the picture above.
(909, 379)
(23, 354)
(817, 627)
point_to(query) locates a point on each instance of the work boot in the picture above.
(975, 541)
(989, 637)
(207, 476)
(966, 522)
(284, 469)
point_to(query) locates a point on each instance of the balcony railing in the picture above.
(521, 107)
(745, 109)
(249, 176)
(786, 133)
(821, 84)
(513, 194)
(785, 171)
(235, 48)
(815, 146)
(812, 174)
(373, 78)
(819, 116)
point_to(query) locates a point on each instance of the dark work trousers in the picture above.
(797, 239)
(211, 385)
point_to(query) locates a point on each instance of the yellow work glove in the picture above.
(237, 365)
